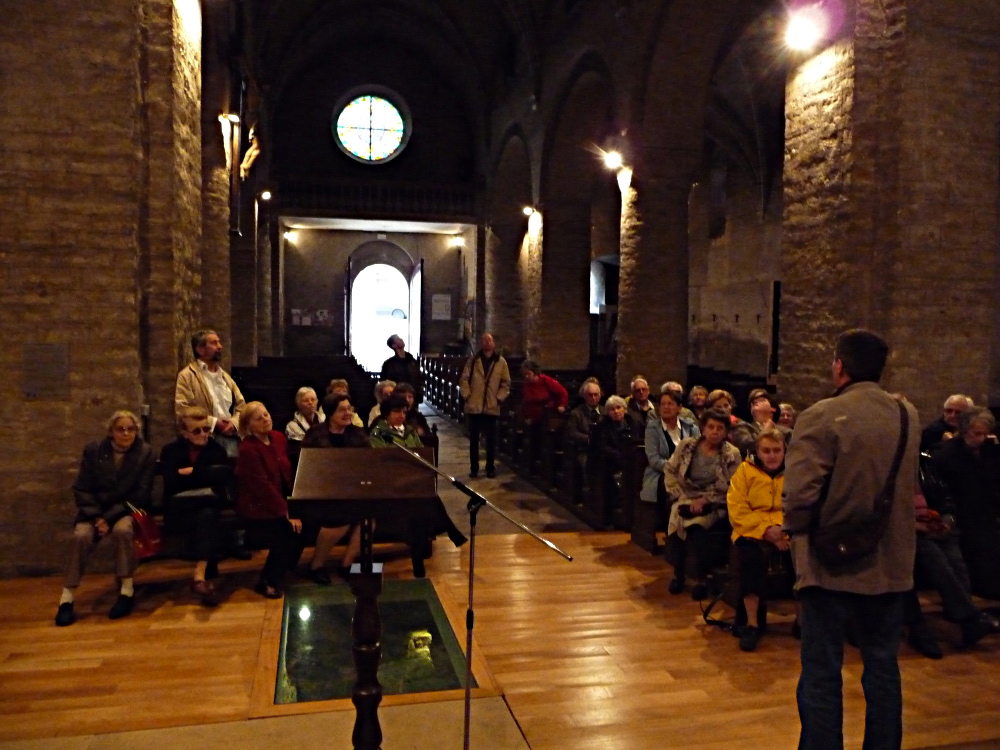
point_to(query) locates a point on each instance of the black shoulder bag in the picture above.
(846, 542)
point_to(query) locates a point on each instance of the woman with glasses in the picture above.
(114, 472)
(195, 472)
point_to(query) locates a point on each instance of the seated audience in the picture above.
(969, 467)
(744, 434)
(939, 559)
(697, 478)
(114, 472)
(787, 415)
(583, 418)
(339, 431)
(672, 386)
(264, 475)
(383, 389)
(944, 427)
(661, 439)
(612, 435)
(414, 418)
(338, 386)
(307, 414)
(392, 427)
(641, 408)
(540, 392)
(697, 399)
(754, 505)
(196, 471)
(724, 401)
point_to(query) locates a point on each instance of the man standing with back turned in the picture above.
(838, 465)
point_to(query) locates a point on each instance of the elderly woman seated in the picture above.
(338, 387)
(308, 413)
(114, 473)
(613, 435)
(392, 426)
(698, 400)
(383, 389)
(661, 438)
(195, 472)
(697, 477)
(754, 505)
(969, 467)
(265, 477)
(338, 431)
(414, 418)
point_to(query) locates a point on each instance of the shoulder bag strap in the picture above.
(884, 506)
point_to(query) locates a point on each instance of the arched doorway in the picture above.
(381, 303)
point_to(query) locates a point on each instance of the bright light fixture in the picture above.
(807, 26)
(527, 210)
(612, 160)
(266, 195)
(457, 242)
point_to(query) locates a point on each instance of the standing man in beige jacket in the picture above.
(838, 465)
(484, 384)
(204, 383)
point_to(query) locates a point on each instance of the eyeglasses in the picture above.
(125, 430)
(200, 431)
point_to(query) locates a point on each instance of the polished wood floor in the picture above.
(590, 654)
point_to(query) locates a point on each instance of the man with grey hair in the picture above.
(944, 427)
(204, 383)
(584, 417)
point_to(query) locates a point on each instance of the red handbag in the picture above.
(146, 539)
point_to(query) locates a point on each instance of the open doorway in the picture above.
(380, 308)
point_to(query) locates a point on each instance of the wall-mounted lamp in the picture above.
(290, 236)
(528, 210)
(456, 241)
(624, 179)
(613, 160)
(265, 195)
(808, 25)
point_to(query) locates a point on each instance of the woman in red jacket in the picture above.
(265, 477)
(540, 392)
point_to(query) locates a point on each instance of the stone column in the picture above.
(265, 251)
(890, 193)
(559, 321)
(653, 286)
(504, 298)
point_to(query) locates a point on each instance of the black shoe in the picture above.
(699, 592)
(320, 576)
(65, 615)
(924, 642)
(676, 586)
(975, 628)
(418, 569)
(268, 591)
(749, 638)
(122, 607)
(241, 553)
(474, 474)
(491, 473)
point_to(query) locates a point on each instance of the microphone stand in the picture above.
(476, 502)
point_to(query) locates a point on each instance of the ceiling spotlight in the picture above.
(266, 195)
(612, 160)
(807, 26)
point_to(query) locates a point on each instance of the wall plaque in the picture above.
(45, 372)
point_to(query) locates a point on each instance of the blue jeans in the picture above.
(820, 692)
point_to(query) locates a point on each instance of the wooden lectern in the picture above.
(364, 484)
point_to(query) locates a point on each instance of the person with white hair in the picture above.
(639, 407)
(308, 413)
(944, 427)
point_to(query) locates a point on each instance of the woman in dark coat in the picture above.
(114, 472)
(265, 478)
(969, 466)
(195, 472)
(338, 431)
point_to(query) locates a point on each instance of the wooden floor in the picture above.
(590, 654)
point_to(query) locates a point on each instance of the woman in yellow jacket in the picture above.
(754, 503)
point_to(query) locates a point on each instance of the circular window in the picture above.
(371, 129)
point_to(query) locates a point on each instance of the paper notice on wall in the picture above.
(441, 307)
